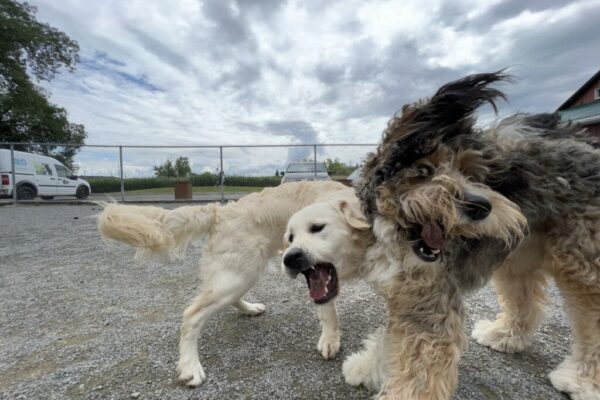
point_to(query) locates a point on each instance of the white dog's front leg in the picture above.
(329, 343)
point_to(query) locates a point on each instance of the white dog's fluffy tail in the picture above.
(156, 230)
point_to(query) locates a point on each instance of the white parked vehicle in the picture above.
(305, 171)
(38, 175)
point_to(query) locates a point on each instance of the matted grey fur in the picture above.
(453, 206)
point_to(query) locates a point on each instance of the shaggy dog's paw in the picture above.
(253, 309)
(190, 372)
(329, 345)
(358, 370)
(567, 378)
(498, 337)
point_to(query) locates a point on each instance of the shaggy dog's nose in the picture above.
(296, 259)
(476, 207)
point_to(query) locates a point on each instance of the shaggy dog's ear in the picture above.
(352, 216)
(449, 113)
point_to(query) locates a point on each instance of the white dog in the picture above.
(240, 239)
(326, 242)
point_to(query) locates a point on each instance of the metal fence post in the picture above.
(222, 174)
(14, 180)
(121, 173)
(315, 157)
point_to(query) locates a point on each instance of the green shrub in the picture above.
(112, 184)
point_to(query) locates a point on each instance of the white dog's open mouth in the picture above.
(322, 282)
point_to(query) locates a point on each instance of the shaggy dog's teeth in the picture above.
(328, 279)
(312, 267)
(326, 290)
(435, 251)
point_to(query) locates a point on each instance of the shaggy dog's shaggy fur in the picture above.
(453, 206)
(240, 239)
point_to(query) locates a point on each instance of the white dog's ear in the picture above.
(352, 216)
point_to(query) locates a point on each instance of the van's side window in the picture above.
(39, 169)
(61, 171)
(42, 169)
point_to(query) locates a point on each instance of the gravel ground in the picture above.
(81, 320)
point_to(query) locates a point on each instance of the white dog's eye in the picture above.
(316, 228)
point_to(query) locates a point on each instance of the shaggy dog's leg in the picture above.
(579, 373)
(425, 340)
(221, 288)
(367, 367)
(521, 286)
(329, 343)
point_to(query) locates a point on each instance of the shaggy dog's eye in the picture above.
(424, 170)
(291, 238)
(316, 228)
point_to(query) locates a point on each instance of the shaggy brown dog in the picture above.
(451, 206)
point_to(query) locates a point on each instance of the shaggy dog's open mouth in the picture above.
(428, 241)
(322, 282)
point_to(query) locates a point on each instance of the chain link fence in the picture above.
(145, 173)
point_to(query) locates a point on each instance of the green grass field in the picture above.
(198, 189)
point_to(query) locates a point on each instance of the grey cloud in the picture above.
(159, 49)
(508, 9)
(330, 74)
(302, 131)
(551, 61)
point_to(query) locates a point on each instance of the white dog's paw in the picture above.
(358, 369)
(568, 379)
(253, 309)
(190, 372)
(329, 345)
(498, 337)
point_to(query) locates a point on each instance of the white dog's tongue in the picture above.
(318, 283)
(432, 235)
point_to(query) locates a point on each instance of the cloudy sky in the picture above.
(273, 72)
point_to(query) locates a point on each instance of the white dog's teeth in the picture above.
(435, 251)
(326, 290)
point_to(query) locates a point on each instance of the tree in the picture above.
(30, 47)
(165, 170)
(336, 167)
(180, 169)
(276, 172)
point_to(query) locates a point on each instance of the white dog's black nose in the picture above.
(476, 207)
(296, 259)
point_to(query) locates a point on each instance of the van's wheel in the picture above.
(47, 197)
(25, 193)
(82, 192)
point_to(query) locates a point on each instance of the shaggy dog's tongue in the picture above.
(432, 235)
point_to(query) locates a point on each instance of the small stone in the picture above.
(107, 323)
(81, 387)
(134, 395)
(99, 387)
(75, 217)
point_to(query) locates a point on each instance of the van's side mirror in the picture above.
(73, 177)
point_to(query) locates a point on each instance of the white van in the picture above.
(38, 175)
